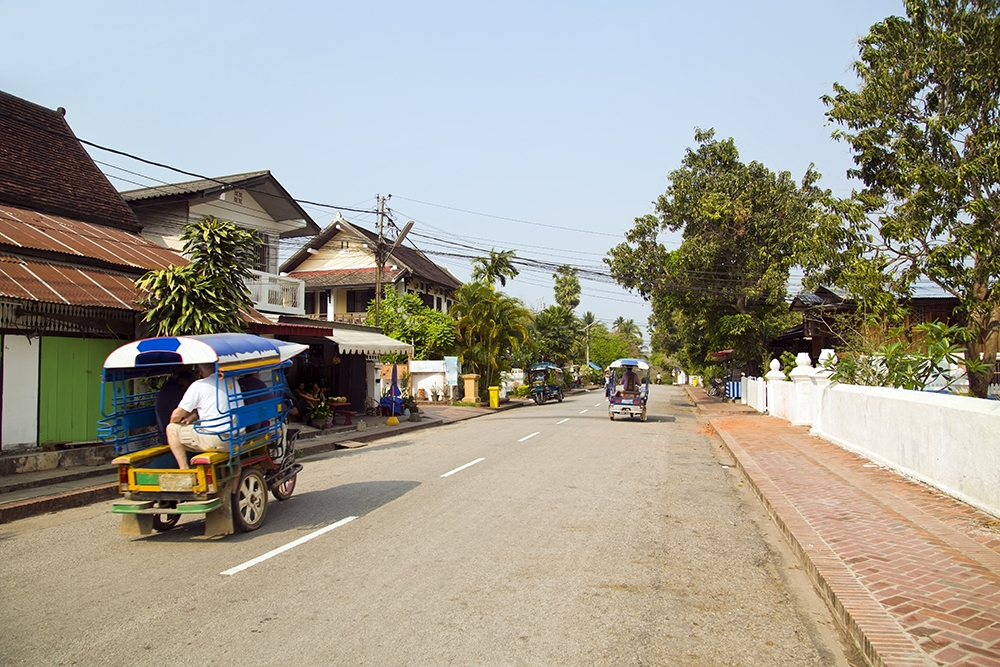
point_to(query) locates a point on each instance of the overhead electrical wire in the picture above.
(591, 273)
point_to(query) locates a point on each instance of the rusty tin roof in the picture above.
(23, 229)
(51, 282)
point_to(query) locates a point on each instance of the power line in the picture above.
(500, 217)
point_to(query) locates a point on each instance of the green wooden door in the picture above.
(69, 392)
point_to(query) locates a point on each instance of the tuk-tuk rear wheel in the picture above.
(250, 501)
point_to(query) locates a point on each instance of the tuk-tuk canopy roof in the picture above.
(637, 363)
(224, 348)
(544, 366)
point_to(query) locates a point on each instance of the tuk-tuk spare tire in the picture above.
(250, 501)
(284, 490)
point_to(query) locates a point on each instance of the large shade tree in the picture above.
(924, 127)
(743, 227)
(406, 318)
(210, 294)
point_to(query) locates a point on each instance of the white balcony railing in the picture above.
(272, 293)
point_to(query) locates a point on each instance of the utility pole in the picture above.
(379, 260)
(383, 252)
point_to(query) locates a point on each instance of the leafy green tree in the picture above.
(567, 287)
(556, 334)
(405, 317)
(605, 347)
(924, 127)
(209, 295)
(491, 326)
(743, 228)
(498, 266)
(631, 333)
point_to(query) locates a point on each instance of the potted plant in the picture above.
(410, 403)
(318, 415)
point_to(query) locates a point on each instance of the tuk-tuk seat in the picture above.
(134, 457)
(209, 458)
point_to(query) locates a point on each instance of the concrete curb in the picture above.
(60, 501)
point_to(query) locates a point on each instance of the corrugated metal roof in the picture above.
(189, 187)
(21, 228)
(48, 282)
(262, 186)
(52, 282)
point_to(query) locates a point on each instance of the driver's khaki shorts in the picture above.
(195, 441)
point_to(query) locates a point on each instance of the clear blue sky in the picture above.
(565, 118)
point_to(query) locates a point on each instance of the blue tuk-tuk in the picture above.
(629, 390)
(546, 382)
(229, 487)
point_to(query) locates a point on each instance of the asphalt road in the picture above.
(546, 535)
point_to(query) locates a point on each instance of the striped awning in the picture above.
(352, 341)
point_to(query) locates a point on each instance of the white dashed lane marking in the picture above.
(470, 463)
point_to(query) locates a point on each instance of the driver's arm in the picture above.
(182, 416)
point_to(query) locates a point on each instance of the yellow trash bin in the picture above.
(494, 397)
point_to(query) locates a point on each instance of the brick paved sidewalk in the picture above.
(913, 574)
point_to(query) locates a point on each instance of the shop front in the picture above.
(343, 361)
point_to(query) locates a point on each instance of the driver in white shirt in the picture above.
(207, 402)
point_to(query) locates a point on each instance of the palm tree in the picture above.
(567, 286)
(555, 334)
(498, 266)
(490, 326)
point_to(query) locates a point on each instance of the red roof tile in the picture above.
(343, 277)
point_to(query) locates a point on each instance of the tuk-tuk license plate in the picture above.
(177, 482)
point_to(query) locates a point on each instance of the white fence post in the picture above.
(820, 381)
(801, 376)
(771, 377)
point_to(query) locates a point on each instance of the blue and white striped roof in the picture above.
(224, 348)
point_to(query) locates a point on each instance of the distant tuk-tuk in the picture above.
(546, 382)
(228, 487)
(629, 391)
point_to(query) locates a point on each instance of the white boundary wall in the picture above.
(779, 399)
(949, 442)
